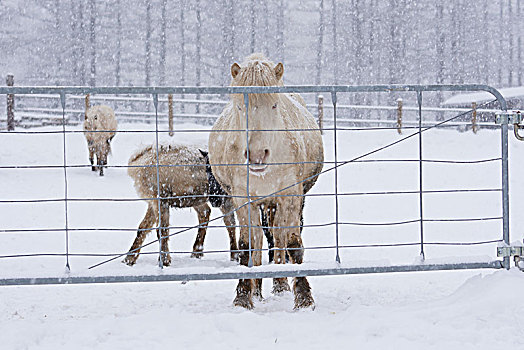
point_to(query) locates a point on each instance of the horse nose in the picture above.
(257, 156)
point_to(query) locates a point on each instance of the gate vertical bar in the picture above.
(334, 101)
(505, 188)
(419, 101)
(246, 103)
(159, 232)
(62, 102)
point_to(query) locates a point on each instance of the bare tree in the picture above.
(280, 35)
(118, 53)
(320, 41)
(92, 40)
(253, 25)
(148, 43)
(198, 57)
(182, 50)
(335, 42)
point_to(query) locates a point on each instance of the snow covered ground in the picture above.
(435, 310)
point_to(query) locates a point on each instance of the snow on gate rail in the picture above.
(235, 272)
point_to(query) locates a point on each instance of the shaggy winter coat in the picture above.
(184, 183)
(99, 129)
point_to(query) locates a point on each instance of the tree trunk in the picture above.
(162, 65)
(148, 43)
(335, 43)
(198, 51)
(182, 50)
(320, 42)
(92, 40)
(118, 53)
(280, 26)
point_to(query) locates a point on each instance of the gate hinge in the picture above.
(508, 117)
(516, 250)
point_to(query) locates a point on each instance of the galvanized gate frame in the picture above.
(279, 270)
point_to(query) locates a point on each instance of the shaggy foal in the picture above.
(183, 184)
(99, 129)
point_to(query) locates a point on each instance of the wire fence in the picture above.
(330, 167)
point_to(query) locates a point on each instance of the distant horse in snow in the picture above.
(99, 129)
(276, 160)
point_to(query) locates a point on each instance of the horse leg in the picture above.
(245, 286)
(91, 158)
(102, 159)
(163, 235)
(203, 212)
(288, 215)
(144, 228)
(280, 285)
(229, 221)
(267, 232)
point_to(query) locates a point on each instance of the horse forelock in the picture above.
(256, 70)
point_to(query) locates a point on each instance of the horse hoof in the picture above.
(93, 168)
(197, 255)
(280, 286)
(234, 256)
(243, 301)
(166, 260)
(258, 296)
(129, 261)
(304, 301)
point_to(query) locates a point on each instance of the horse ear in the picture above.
(279, 70)
(235, 69)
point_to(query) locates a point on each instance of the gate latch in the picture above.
(509, 117)
(516, 250)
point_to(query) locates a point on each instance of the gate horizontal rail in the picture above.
(249, 273)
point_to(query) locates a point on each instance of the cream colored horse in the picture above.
(276, 160)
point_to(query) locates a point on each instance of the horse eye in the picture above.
(96, 117)
(275, 106)
(239, 108)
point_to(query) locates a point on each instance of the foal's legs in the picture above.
(245, 286)
(229, 221)
(203, 212)
(163, 235)
(144, 228)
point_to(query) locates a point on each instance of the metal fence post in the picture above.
(10, 81)
(505, 187)
(246, 103)
(170, 113)
(474, 125)
(421, 204)
(334, 100)
(321, 113)
(160, 237)
(399, 115)
(63, 103)
(87, 104)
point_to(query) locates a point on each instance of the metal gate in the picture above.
(335, 267)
